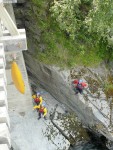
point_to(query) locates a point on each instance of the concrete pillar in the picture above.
(4, 117)
(1, 31)
(3, 75)
(7, 20)
(3, 99)
(4, 147)
(2, 54)
(2, 63)
(2, 85)
(4, 135)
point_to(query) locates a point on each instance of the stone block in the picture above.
(4, 117)
(4, 135)
(4, 147)
(3, 99)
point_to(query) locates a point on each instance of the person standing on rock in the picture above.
(37, 98)
(42, 110)
(79, 85)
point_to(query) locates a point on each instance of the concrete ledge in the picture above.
(3, 99)
(14, 43)
(4, 147)
(4, 135)
(4, 117)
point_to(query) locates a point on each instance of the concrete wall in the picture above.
(7, 88)
(5, 142)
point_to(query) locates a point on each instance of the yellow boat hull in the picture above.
(17, 77)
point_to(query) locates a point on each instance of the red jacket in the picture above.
(75, 82)
(83, 84)
(37, 100)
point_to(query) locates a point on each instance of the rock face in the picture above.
(54, 81)
(58, 83)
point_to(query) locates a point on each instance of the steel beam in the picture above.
(14, 43)
(7, 20)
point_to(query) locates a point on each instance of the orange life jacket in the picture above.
(41, 110)
(37, 100)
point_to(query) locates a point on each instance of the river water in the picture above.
(93, 144)
(89, 146)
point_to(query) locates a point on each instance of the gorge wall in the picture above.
(57, 83)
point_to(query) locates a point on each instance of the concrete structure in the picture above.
(3, 99)
(4, 117)
(12, 42)
(4, 147)
(4, 135)
(17, 101)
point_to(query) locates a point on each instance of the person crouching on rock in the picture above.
(79, 86)
(42, 110)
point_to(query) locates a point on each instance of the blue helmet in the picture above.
(80, 81)
(43, 104)
(38, 94)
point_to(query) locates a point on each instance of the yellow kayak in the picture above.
(17, 77)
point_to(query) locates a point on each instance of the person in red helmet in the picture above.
(37, 99)
(42, 110)
(79, 86)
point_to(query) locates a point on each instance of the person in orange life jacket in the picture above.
(37, 99)
(79, 85)
(42, 110)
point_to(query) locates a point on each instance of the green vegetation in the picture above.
(108, 90)
(108, 86)
(70, 32)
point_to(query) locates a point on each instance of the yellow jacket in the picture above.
(34, 97)
(40, 100)
(44, 111)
